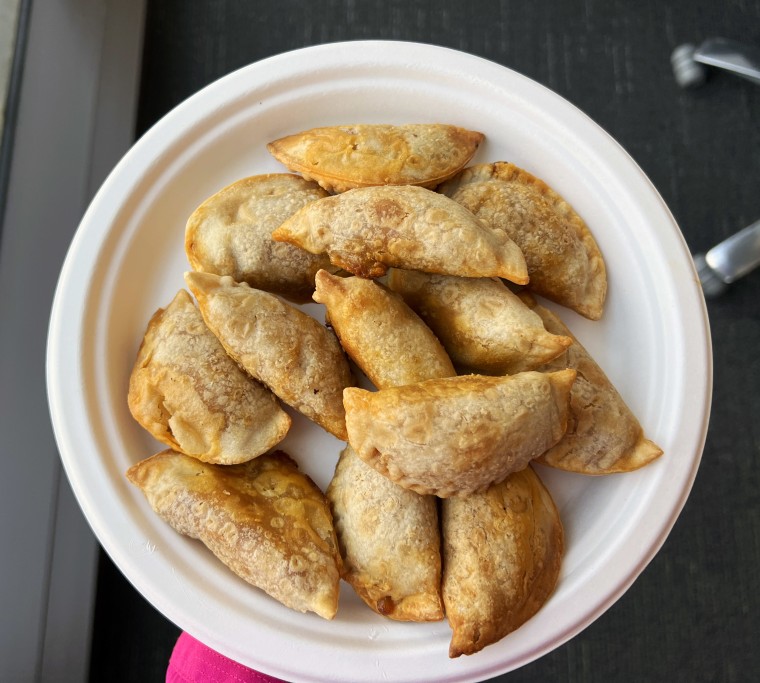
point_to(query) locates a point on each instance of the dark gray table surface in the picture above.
(694, 613)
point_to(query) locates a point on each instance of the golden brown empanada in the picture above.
(189, 394)
(564, 262)
(231, 234)
(502, 552)
(458, 435)
(369, 229)
(389, 541)
(382, 335)
(603, 435)
(267, 521)
(340, 158)
(294, 355)
(483, 326)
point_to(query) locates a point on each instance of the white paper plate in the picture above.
(127, 259)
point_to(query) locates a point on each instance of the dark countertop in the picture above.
(694, 613)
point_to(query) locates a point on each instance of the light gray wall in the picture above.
(75, 119)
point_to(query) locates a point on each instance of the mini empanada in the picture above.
(189, 394)
(297, 357)
(369, 229)
(389, 541)
(564, 262)
(340, 158)
(382, 335)
(603, 435)
(267, 521)
(458, 435)
(502, 552)
(231, 234)
(483, 326)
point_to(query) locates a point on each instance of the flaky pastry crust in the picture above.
(389, 540)
(458, 435)
(380, 333)
(189, 394)
(231, 234)
(603, 436)
(564, 261)
(340, 158)
(264, 519)
(293, 354)
(367, 230)
(483, 326)
(502, 552)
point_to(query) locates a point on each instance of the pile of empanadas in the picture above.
(426, 270)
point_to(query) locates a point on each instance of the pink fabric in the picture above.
(193, 662)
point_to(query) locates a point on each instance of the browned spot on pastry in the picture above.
(388, 210)
(386, 605)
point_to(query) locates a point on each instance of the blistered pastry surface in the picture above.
(340, 158)
(389, 541)
(189, 394)
(502, 551)
(458, 435)
(380, 333)
(264, 519)
(231, 234)
(285, 348)
(563, 259)
(367, 230)
(483, 326)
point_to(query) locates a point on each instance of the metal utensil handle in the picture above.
(737, 255)
(738, 58)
